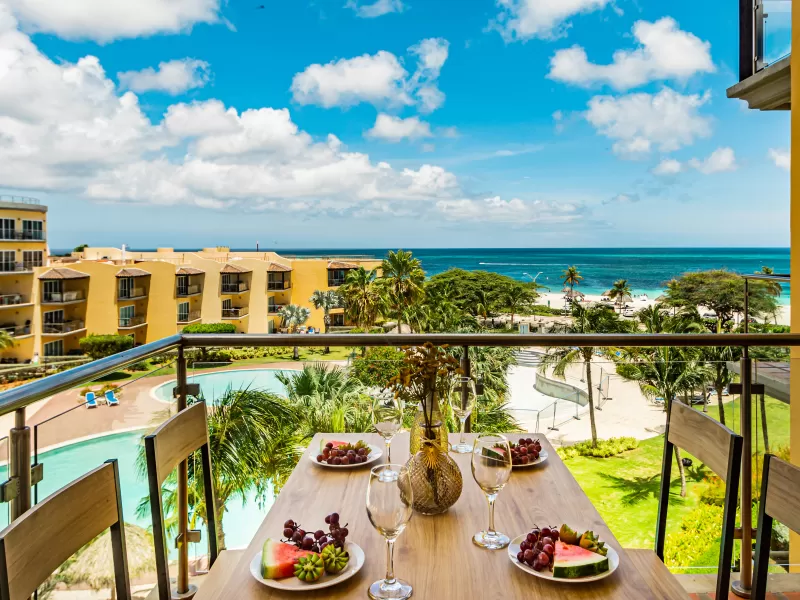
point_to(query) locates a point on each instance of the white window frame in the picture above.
(40, 229)
(32, 258)
(181, 311)
(47, 319)
(55, 343)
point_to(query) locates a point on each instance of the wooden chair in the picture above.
(42, 539)
(174, 441)
(780, 499)
(720, 449)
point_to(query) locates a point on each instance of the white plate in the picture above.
(293, 584)
(374, 454)
(542, 457)
(513, 550)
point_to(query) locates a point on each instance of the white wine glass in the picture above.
(462, 406)
(491, 468)
(387, 419)
(389, 507)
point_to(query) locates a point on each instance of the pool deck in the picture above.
(137, 409)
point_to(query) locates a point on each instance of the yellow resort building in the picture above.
(50, 303)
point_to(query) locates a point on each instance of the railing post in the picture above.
(183, 589)
(466, 367)
(743, 586)
(19, 464)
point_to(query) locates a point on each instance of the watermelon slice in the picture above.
(336, 445)
(278, 559)
(574, 562)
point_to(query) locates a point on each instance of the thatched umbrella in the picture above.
(94, 565)
(572, 294)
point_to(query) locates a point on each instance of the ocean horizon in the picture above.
(646, 269)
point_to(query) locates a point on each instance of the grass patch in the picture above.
(605, 448)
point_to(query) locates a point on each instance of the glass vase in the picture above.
(438, 432)
(436, 480)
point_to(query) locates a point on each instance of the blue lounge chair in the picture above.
(111, 399)
(91, 401)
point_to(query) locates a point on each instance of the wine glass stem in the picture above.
(463, 431)
(389, 452)
(389, 580)
(491, 498)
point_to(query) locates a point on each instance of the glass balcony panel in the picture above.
(777, 30)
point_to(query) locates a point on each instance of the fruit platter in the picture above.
(346, 455)
(303, 561)
(527, 452)
(563, 554)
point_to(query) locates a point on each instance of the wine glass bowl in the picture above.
(389, 508)
(387, 419)
(491, 469)
(462, 406)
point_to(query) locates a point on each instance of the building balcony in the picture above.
(132, 293)
(17, 331)
(63, 328)
(278, 286)
(190, 317)
(274, 309)
(14, 300)
(31, 236)
(132, 322)
(16, 267)
(236, 287)
(71, 297)
(235, 313)
(189, 290)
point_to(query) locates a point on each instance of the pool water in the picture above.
(67, 463)
(214, 385)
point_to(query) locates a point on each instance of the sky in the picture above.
(389, 123)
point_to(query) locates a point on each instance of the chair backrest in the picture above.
(780, 499)
(90, 396)
(173, 442)
(721, 450)
(42, 539)
(110, 394)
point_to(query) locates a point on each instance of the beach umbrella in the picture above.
(94, 566)
(572, 294)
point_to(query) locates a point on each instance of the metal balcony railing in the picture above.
(12, 299)
(189, 290)
(63, 297)
(273, 309)
(278, 286)
(14, 267)
(235, 287)
(137, 292)
(134, 321)
(193, 315)
(16, 330)
(63, 327)
(10, 234)
(235, 313)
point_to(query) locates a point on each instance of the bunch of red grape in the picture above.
(526, 451)
(344, 455)
(317, 541)
(538, 548)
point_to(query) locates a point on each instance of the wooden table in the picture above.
(436, 554)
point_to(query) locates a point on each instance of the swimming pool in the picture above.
(62, 465)
(213, 385)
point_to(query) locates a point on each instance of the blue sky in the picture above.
(328, 123)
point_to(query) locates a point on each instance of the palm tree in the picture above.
(6, 340)
(362, 297)
(326, 300)
(253, 445)
(403, 278)
(572, 277)
(517, 297)
(773, 287)
(484, 305)
(294, 316)
(620, 293)
(595, 319)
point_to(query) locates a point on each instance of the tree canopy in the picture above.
(721, 291)
(100, 346)
(210, 328)
(472, 289)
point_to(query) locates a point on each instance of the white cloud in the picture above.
(495, 209)
(107, 20)
(781, 158)
(719, 161)
(622, 199)
(173, 77)
(395, 129)
(66, 128)
(640, 122)
(664, 52)
(376, 9)
(668, 166)
(379, 79)
(526, 19)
